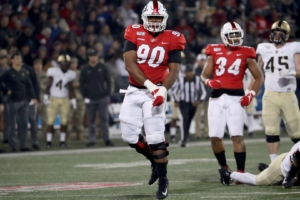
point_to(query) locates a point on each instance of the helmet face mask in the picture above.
(64, 62)
(154, 16)
(280, 32)
(232, 34)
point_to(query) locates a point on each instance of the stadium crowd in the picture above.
(44, 29)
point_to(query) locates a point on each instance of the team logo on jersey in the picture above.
(141, 33)
(153, 40)
(229, 52)
(217, 49)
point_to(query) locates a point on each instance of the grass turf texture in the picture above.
(192, 172)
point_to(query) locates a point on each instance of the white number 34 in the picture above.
(233, 69)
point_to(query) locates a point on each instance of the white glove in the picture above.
(284, 73)
(87, 100)
(46, 99)
(151, 87)
(73, 103)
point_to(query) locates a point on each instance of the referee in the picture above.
(17, 81)
(188, 92)
(95, 87)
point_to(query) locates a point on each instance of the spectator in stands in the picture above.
(81, 55)
(186, 30)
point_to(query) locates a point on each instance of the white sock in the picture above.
(62, 137)
(49, 137)
(173, 131)
(273, 156)
(250, 118)
(246, 177)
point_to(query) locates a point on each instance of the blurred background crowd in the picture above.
(43, 29)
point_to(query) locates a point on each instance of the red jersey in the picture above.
(153, 52)
(230, 65)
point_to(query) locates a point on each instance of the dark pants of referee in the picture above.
(18, 112)
(187, 111)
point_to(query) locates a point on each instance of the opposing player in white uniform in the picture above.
(280, 61)
(284, 168)
(58, 92)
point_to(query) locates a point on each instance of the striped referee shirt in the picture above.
(188, 91)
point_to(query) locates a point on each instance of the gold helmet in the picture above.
(64, 59)
(282, 26)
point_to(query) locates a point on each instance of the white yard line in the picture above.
(113, 149)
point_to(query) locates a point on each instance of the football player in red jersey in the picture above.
(152, 59)
(224, 71)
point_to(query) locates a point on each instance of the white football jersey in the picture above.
(286, 163)
(59, 87)
(275, 60)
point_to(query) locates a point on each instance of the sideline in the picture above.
(124, 148)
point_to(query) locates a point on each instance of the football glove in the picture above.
(73, 103)
(284, 73)
(159, 97)
(87, 100)
(151, 87)
(214, 84)
(246, 100)
(46, 99)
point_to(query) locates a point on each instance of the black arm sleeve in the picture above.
(128, 46)
(174, 56)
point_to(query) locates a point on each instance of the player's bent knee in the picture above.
(160, 146)
(237, 139)
(272, 130)
(130, 132)
(272, 138)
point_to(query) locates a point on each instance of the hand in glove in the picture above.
(159, 97)
(246, 100)
(214, 84)
(73, 103)
(46, 100)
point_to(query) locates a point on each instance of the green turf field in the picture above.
(192, 172)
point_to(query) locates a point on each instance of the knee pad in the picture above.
(130, 132)
(160, 146)
(293, 128)
(295, 140)
(142, 148)
(272, 138)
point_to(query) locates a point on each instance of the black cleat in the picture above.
(262, 166)
(63, 145)
(48, 145)
(153, 176)
(225, 176)
(163, 187)
(287, 182)
(35, 147)
(109, 144)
